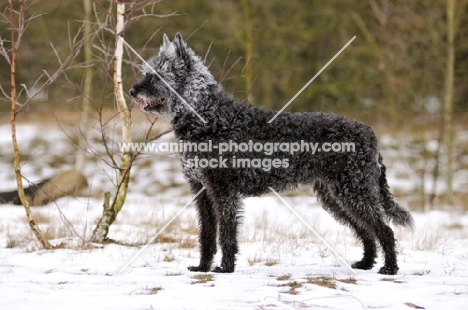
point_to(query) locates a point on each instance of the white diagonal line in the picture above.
(163, 80)
(314, 231)
(159, 232)
(311, 80)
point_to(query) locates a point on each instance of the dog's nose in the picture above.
(132, 92)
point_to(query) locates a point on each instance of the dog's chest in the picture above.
(190, 170)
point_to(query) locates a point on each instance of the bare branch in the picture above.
(4, 52)
(57, 54)
(137, 18)
(150, 38)
(7, 97)
(64, 66)
(207, 52)
(224, 74)
(46, 73)
(107, 12)
(15, 40)
(25, 88)
(196, 30)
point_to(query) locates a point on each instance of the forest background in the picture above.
(405, 73)
(393, 73)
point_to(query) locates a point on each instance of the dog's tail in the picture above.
(396, 213)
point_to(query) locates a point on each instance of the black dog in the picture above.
(351, 185)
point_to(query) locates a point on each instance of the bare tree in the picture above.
(111, 210)
(248, 48)
(447, 113)
(19, 21)
(424, 38)
(454, 10)
(113, 205)
(88, 86)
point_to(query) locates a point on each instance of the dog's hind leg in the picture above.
(367, 237)
(387, 241)
(208, 224)
(363, 206)
(229, 209)
(372, 224)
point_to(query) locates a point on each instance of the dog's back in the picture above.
(328, 145)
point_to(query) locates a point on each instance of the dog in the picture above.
(352, 186)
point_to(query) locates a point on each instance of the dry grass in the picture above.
(291, 286)
(149, 291)
(271, 262)
(26, 241)
(12, 242)
(422, 272)
(348, 281)
(55, 232)
(394, 280)
(284, 277)
(254, 260)
(169, 258)
(154, 290)
(187, 243)
(454, 226)
(191, 229)
(431, 237)
(323, 281)
(165, 239)
(202, 278)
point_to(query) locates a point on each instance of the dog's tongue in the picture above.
(142, 105)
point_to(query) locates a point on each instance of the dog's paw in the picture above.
(364, 265)
(198, 268)
(389, 270)
(223, 270)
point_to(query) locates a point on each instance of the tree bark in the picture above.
(126, 158)
(87, 87)
(16, 155)
(448, 102)
(248, 49)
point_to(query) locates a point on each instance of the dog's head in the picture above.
(175, 73)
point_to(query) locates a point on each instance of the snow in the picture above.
(280, 266)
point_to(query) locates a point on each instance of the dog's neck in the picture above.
(209, 100)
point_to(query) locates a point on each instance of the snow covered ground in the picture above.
(281, 264)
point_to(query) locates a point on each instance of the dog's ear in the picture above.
(166, 41)
(167, 48)
(181, 49)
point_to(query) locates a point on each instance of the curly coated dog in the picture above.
(351, 185)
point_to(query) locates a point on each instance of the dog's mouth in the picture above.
(142, 104)
(146, 105)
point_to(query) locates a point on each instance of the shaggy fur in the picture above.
(352, 186)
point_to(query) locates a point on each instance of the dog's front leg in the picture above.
(229, 209)
(208, 223)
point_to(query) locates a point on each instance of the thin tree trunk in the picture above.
(110, 212)
(448, 102)
(87, 87)
(16, 156)
(435, 171)
(124, 112)
(388, 71)
(248, 49)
